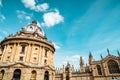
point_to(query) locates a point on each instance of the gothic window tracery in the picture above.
(99, 70)
(113, 67)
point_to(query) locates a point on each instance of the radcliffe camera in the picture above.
(59, 40)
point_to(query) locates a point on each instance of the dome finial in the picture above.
(34, 22)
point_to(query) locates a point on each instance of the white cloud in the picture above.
(73, 58)
(52, 18)
(2, 17)
(31, 4)
(0, 2)
(27, 17)
(56, 46)
(42, 7)
(23, 15)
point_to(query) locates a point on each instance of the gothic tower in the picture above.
(82, 67)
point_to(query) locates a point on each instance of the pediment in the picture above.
(49, 68)
(13, 65)
(19, 65)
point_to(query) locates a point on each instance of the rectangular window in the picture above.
(45, 61)
(21, 58)
(23, 49)
(45, 53)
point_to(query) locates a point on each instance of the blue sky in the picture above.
(75, 26)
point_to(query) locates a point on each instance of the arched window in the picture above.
(99, 70)
(46, 75)
(33, 75)
(1, 74)
(67, 77)
(113, 67)
(17, 74)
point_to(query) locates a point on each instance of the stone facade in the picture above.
(28, 55)
(107, 68)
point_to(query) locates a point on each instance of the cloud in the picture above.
(52, 18)
(56, 46)
(73, 60)
(31, 4)
(2, 17)
(27, 17)
(0, 2)
(23, 15)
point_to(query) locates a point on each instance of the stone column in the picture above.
(15, 58)
(42, 55)
(31, 51)
(13, 52)
(39, 55)
(27, 53)
(3, 54)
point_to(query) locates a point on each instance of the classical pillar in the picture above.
(3, 53)
(31, 51)
(13, 52)
(16, 52)
(42, 55)
(27, 55)
(39, 55)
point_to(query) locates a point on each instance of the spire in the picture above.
(90, 58)
(101, 56)
(118, 52)
(108, 51)
(90, 55)
(81, 61)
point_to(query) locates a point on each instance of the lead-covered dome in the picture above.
(34, 28)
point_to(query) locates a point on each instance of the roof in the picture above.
(34, 27)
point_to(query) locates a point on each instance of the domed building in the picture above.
(27, 55)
